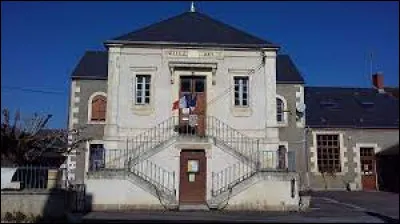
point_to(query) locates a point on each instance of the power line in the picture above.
(31, 90)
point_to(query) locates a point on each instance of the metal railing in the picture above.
(133, 157)
(33, 177)
(277, 161)
(198, 126)
(230, 176)
(227, 178)
(120, 160)
(240, 143)
(152, 138)
(156, 175)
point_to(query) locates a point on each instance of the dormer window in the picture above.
(329, 104)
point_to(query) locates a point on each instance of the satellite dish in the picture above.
(301, 107)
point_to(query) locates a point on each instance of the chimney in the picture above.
(377, 81)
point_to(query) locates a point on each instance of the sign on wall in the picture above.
(191, 53)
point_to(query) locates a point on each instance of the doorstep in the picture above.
(193, 207)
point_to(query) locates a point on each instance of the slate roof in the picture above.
(94, 65)
(193, 28)
(339, 107)
(286, 71)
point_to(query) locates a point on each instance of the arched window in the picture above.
(280, 106)
(99, 105)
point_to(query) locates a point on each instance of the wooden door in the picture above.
(193, 86)
(193, 172)
(368, 170)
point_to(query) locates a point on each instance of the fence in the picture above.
(273, 160)
(37, 177)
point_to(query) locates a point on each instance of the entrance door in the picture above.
(193, 87)
(192, 184)
(368, 171)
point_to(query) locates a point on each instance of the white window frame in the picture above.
(143, 109)
(89, 121)
(241, 91)
(284, 112)
(313, 149)
(143, 90)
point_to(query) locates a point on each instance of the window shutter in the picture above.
(99, 106)
(102, 108)
(95, 105)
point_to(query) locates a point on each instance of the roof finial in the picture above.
(192, 9)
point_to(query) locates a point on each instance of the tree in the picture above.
(24, 141)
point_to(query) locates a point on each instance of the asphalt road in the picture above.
(330, 207)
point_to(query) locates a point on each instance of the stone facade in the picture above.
(291, 132)
(351, 141)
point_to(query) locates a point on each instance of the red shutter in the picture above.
(102, 109)
(99, 105)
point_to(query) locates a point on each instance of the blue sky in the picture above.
(330, 42)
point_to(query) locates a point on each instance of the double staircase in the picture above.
(133, 164)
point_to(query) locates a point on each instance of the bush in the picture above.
(8, 217)
(19, 216)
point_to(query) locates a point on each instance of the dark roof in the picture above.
(94, 65)
(192, 28)
(350, 107)
(286, 71)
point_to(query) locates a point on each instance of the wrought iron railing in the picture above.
(230, 176)
(227, 178)
(118, 160)
(240, 143)
(35, 177)
(133, 157)
(156, 175)
(207, 126)
(152, 138)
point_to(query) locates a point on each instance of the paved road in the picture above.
(384, 203)
(331, 207)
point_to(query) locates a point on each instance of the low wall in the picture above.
(267, 192)
(119, 194)
(45, 203)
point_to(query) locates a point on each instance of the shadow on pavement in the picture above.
(384, 218)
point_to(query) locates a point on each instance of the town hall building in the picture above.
(190, 112)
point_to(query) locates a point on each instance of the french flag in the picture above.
(180, 103)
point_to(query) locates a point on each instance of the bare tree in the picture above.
(26, 140)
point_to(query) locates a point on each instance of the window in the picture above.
(142, 89)
(96, 157)
(241, 85)
(328, 153)
(99, 106)
(280, 110)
